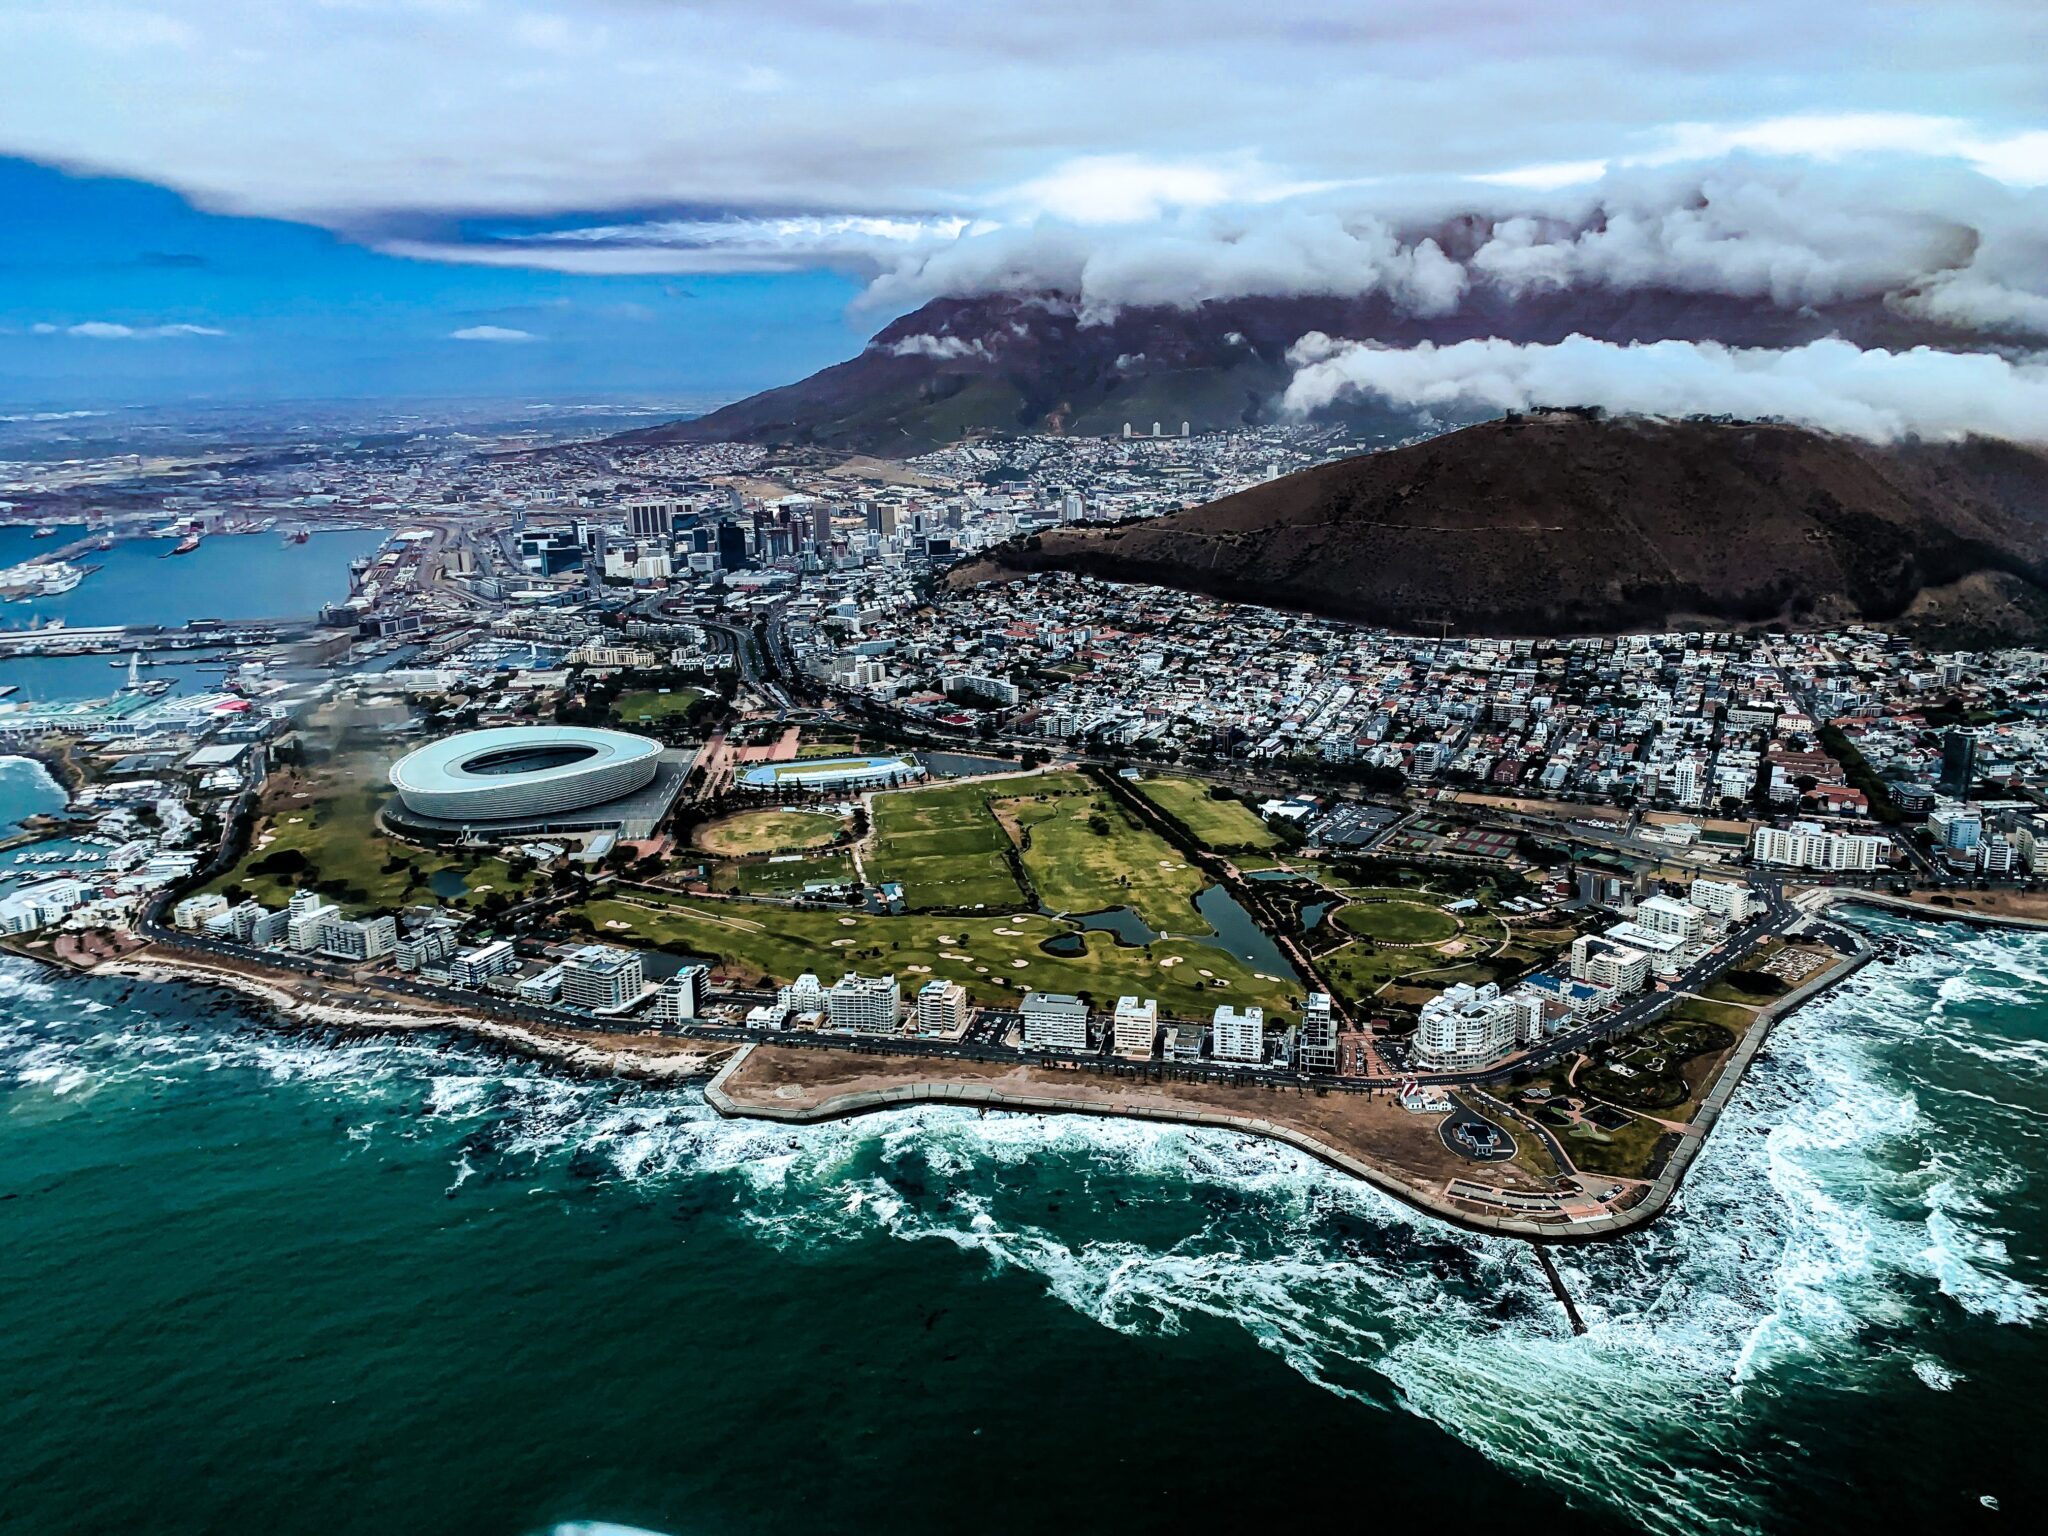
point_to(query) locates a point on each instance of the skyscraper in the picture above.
(1958, 763)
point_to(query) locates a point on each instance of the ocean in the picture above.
(240, 576)
(256, 1280)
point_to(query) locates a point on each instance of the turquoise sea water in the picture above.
(26, 789)
(263, 1281)
(244, 576)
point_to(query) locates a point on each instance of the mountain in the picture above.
(962, 368)
(1568, 522)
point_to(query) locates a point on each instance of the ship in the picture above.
(44, 531)
(185, 546)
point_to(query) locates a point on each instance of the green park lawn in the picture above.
(648, 705)
(334, 828)
(760, 877)
(1215, 824)
(763, 942)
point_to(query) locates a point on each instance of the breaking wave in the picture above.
(1855, 1187)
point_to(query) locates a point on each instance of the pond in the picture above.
(1068, 944)
(1313, 914)
(1238, 934)
(447, 883)
(1128, 927)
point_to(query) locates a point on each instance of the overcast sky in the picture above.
(439, 195)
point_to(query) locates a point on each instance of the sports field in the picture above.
(788, 877)
(948, 845)
(767, 832)
(650, 704)
(945, 846)
(762, 942)
(1216, 824)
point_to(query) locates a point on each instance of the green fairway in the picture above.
(649, 704)
(328, 818)
(1397, 922)
(768, 832)
(1085, 853)
(762, 942)
(1222, 825)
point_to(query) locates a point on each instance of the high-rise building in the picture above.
(1661, 914)
(359, 939)
(866, 1004)
(1723, 898)
(650, 519)
(1958, 763)
(1135, 1030)
(1055, 1021)
(821, 524)
(681, 996)
(1464, 1026)
(941, 1008)
(732, 546)
(1238, 1035)
(1316, 1045)
(474, 967)
(598, 977)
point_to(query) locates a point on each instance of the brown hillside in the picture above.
(1563, 522)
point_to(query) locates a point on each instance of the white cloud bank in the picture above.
(111, 330)
(491, 333)
(1829, 385)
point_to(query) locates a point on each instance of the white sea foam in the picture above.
(1834, 1202)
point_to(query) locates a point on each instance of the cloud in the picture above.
(937, 347)
(491, 333)
(109, 330)
(1830, 385)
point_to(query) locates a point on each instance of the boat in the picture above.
(44, 531)
(297, 536)
(185, 546)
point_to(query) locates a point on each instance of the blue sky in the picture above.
(304, 313)
(697, 198)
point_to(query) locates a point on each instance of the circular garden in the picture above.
(1398, 922)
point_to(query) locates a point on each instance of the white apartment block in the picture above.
(941, 1008)
(474, 967)
(1238, 1035)
(804, 997)
(866, 1004)
(1465, 1026)
(1809, 845)
(1676, 919)
(598, 977)
(302, 929)
(1055, 1021)
(1316, 1045)
(681, 996)
(1135, 1030)
(367, 938)
(1604, 963)
(1723, 898)
(190, 913)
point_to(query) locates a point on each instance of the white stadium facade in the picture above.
(537, 778)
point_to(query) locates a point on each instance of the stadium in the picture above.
(537, 778)
(831, 775)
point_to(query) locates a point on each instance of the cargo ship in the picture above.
(185, 546)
